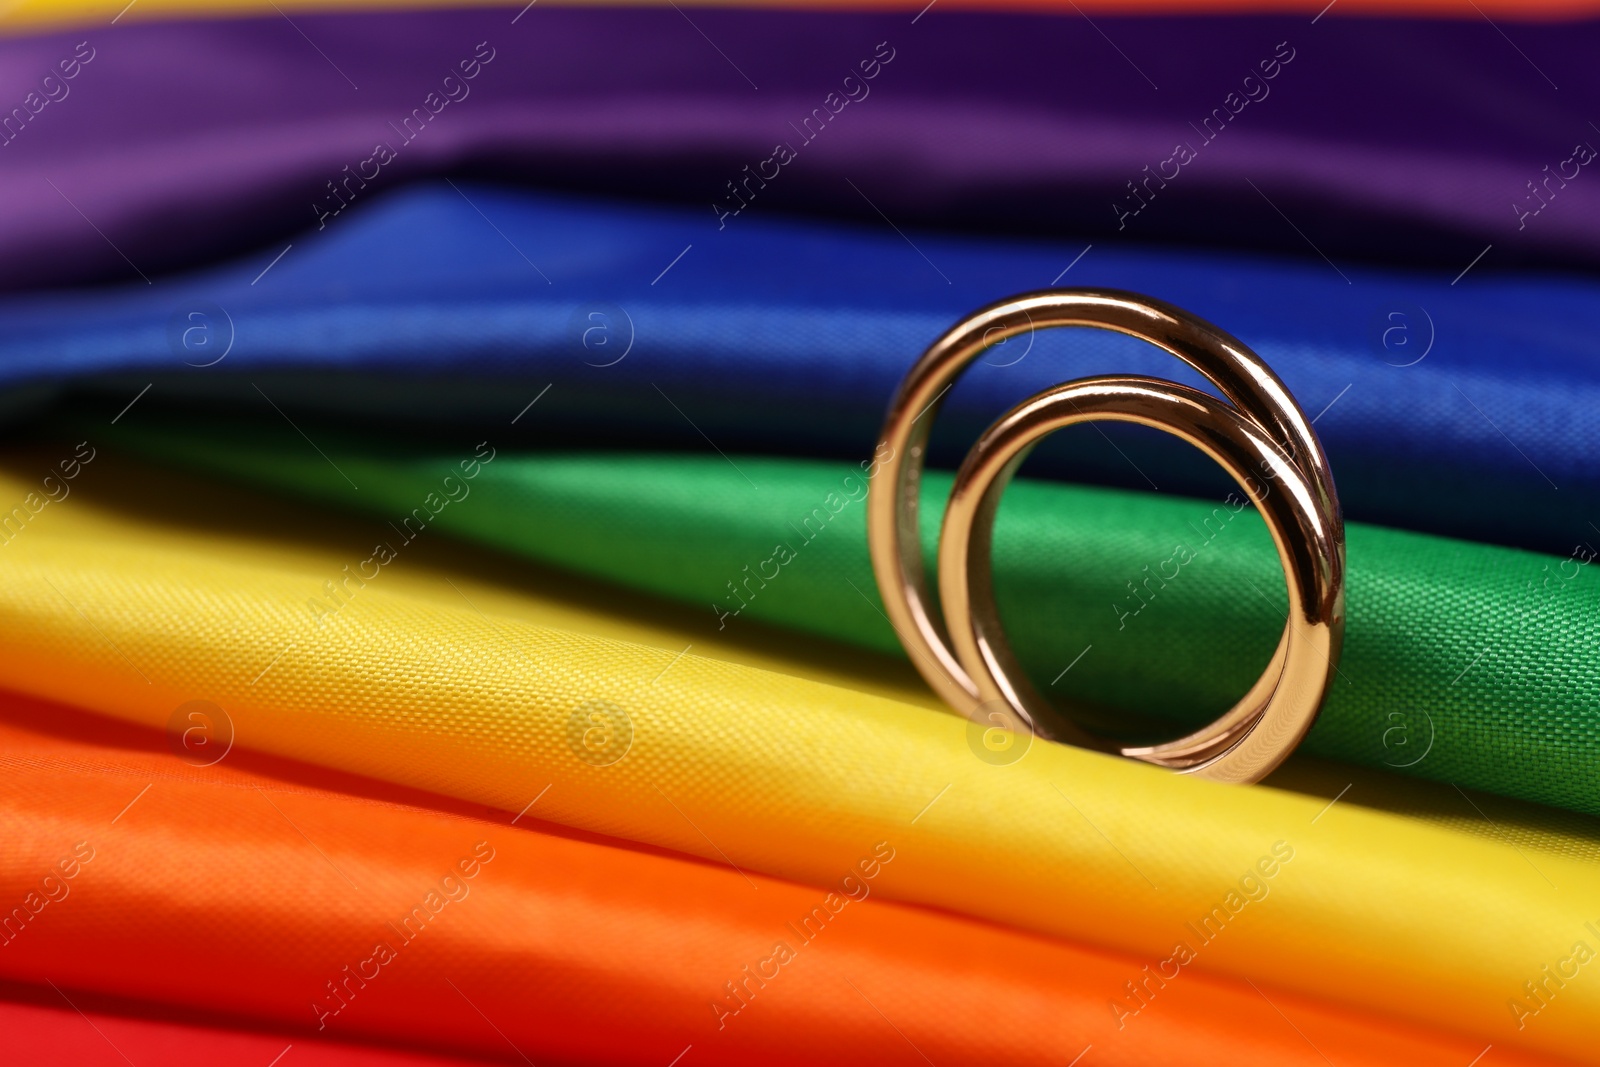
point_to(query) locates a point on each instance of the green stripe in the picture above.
(1488, 653)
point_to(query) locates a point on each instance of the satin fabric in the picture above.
(35, 14)
(210, 135)
(458, 688)
(1471, 411)
(252, 886)
(74, 1032)
(1462, 663)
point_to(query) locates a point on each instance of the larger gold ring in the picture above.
(1264, 441)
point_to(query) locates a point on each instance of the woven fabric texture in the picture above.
(247, 887)
(984, 120)
(1463, 663)
(31, 15)
(67, 1027)
(447, 686)
(1471, 411)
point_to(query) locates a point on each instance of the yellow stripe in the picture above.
(742, 755)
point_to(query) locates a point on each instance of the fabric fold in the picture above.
(462, 691)
(1469, 411)
(250, 887)
(1028, 122)
(1463, 663)
(32, 15)
(77, 1030)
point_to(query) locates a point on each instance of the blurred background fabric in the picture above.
(1410, 140)
(438, 626)
(447, 308)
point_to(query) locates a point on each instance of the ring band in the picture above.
(1263, 432)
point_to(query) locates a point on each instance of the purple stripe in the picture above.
(1395, 139)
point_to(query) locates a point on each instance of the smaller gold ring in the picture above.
(1257, 733)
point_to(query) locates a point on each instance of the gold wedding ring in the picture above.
(1260, 437)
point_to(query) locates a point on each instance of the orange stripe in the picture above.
(242, 888)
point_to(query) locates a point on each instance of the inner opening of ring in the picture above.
(1140, 615)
